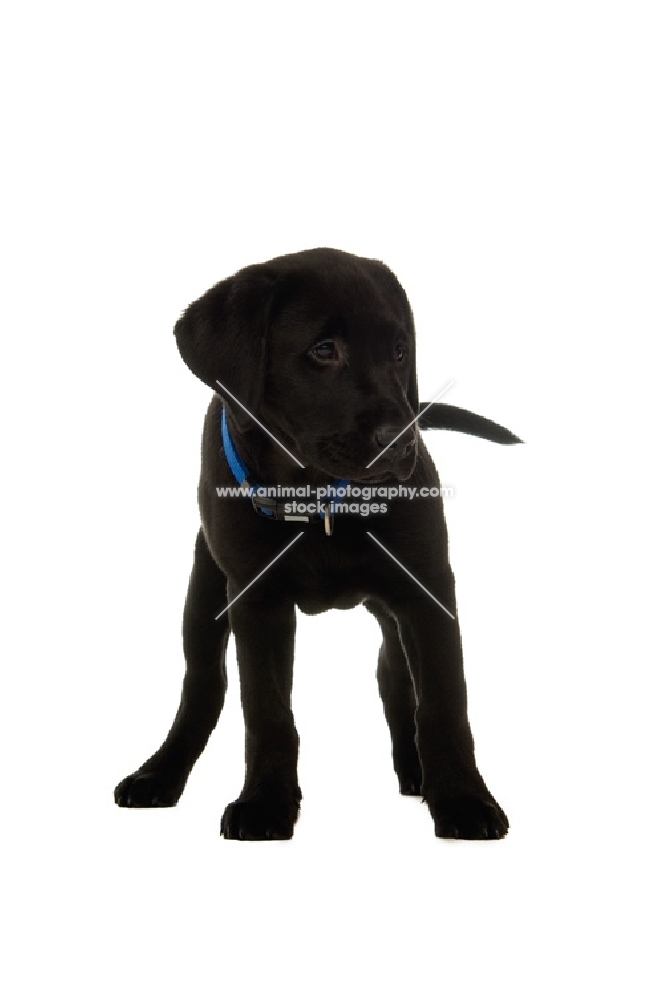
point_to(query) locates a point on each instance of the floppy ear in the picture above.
(222, 337)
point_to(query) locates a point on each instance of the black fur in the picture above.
(334, 409)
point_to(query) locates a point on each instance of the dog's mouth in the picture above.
(357, 457)
(380, 471)
(369, 476)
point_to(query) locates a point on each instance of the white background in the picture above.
(505, 159)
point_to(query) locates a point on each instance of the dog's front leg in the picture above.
(268, 805)
(161, 780)
(458, 799)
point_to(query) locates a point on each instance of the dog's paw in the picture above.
(468, 817)
(259, 820)
(145, 791)
(410, 778)
(410, 786)
(408, 770)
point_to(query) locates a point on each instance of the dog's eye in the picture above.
(325, 351)
(399, 352)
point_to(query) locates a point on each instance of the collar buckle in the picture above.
(265, 506)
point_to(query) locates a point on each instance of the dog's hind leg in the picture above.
(161, 780)
(397, 693)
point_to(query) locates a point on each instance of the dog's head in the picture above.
(320, 346)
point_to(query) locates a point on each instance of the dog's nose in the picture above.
(397, 441)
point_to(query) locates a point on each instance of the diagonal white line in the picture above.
(434, 400)
(292, 542)
(410, 574)
(283, 447)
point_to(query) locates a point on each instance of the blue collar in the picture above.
(271, 506)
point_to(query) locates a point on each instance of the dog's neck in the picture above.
(268, 463)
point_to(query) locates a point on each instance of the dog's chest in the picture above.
(314, 603)
(330, 576)
(328, 593)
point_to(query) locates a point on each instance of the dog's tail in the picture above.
(442, 416)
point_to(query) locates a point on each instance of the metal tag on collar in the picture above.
(329, 518)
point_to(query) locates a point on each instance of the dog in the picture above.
(311, 357)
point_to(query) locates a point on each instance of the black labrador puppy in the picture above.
(312, 359)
